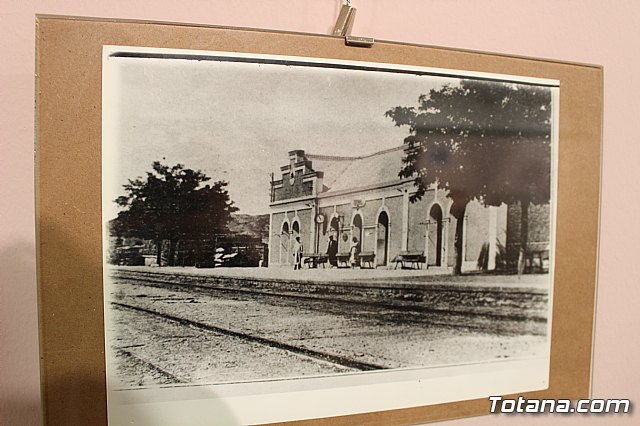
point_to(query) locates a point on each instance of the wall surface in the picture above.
(592, 31)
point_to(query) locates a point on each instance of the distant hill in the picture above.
(256, 226)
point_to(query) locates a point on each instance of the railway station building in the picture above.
(318, 196)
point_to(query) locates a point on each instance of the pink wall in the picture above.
(591, 31)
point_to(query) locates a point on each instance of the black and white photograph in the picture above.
(280, 227)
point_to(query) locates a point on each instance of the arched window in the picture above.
(382, 239)
(285, 243)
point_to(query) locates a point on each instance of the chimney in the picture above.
(296, 156)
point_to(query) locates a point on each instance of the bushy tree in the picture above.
(170, 204)
(481, 140)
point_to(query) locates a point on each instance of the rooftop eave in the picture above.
(390, 184)
(292, 200)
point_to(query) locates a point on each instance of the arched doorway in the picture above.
(435, 236)
(295, 233)
(356, 229)
(334, 228)
(284, 243)
(382, 243)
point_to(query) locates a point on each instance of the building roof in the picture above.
(349, 173)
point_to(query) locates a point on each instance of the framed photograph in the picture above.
(385, 235)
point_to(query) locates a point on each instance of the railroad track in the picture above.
(164, 302)
(123, 352)
(470, 321)
(409, 304)
(310, 353)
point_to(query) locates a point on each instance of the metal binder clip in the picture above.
(344, 25)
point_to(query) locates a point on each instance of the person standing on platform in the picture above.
(297, 254)
(354, 252)
(332, 251)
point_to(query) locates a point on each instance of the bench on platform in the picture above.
(410, 258)
(366, 257)
(343, 259)
(313, 260)
(535, 257)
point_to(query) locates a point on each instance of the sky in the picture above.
(237, 121)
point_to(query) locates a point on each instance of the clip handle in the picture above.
(345, 20)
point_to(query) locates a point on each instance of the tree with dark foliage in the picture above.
(481, 140)
(171, 204)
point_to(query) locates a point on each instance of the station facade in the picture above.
(320, 196)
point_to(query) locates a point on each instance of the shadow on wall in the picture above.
(19, 364)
